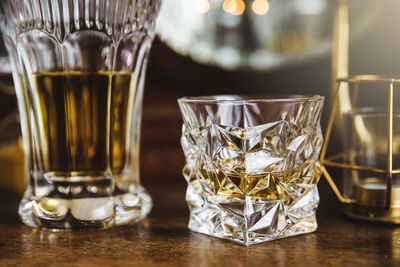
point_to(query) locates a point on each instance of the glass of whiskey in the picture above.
(252, 165)
(79, 70)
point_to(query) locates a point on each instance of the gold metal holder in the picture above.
(372, 201)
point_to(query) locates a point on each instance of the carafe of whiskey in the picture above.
(78, 69)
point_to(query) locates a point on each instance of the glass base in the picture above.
(58, 214)
(250, 220)
(376, 214)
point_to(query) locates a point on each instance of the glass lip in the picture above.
(238, 99)
(372, 112)
(369, 78)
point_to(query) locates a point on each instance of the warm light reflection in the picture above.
(234, 7)
(260, 7)
(362, 132)
(202, 6)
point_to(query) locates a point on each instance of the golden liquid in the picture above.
(273, 186)
(83, 121)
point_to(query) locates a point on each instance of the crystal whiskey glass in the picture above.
(252, 165)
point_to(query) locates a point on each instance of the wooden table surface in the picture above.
(163, 238)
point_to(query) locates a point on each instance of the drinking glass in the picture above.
(78, 69)
(366, 145)
(252, 165)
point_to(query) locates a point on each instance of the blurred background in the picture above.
(208, 47)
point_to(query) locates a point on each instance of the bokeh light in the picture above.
(202, 6)
(234, 7)
(260, 7)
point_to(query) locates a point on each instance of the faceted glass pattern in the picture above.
(252, 165)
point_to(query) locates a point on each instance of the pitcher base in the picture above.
(58, 214)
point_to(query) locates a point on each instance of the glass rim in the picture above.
(369, 78)
(372, 112)
(238, 99)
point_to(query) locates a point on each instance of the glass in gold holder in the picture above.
(371, 151)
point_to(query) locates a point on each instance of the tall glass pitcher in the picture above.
(79, 68)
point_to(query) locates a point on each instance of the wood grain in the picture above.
(164, 240)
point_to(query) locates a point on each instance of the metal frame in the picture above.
(332, 160)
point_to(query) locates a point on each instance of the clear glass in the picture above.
(79, 68)
(366, 144)
(252, 165)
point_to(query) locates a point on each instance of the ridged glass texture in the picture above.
(79, 68)
(252, 165)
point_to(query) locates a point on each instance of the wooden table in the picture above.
(163, 238)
